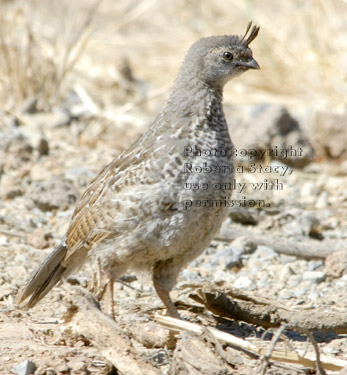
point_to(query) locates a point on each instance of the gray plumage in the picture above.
(135, 213)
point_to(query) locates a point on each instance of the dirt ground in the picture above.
(79, 83)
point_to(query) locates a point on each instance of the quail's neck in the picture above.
(192, 97)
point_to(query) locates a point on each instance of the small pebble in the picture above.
(310, 191)
(285, 294)
(77, 366)
(263, 284)
(313, 295)
(191, 277)
(314, 264)
(3, 240)
(243, 282)
(10, 187)
(314, 277)
(285, 273)
(227, 258)
(227, 277)
(299, 293)
(323, 201)
(294, 281)
(285, 259)
(266, 253)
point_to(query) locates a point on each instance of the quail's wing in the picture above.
(97, 209)
(121, 197)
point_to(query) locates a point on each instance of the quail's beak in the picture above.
(251, 64)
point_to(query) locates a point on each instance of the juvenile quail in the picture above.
(159, 204)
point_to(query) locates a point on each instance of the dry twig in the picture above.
(297, 357)
(275, 339)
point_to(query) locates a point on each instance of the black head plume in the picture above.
(253, 34)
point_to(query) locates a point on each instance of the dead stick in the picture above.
(12, 234)
(86, 319)
(304, 248)
(268, 314)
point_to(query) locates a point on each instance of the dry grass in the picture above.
(46, 47)
(36, 55)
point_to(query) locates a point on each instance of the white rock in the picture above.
(243, 282)
(24, 368)
(314, 276)
(323, 200)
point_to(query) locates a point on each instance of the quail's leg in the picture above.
(164, 277)
(103, 288)
(96, 287)
(109, 305)
(108, 277)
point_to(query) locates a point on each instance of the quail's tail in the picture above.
(44, 277)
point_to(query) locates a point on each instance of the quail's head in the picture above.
(217, 59)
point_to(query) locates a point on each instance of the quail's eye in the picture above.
(228, 56)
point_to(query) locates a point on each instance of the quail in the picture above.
(158, 205)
